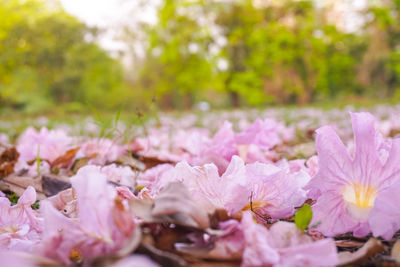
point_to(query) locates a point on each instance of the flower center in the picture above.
(75, 255)
(9, 229)
(360, 195)
(256, 205)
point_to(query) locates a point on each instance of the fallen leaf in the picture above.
(134, 163)
(65, 160)
(303, 217)
(150, 162)
(348, 244)
(8, 158)
(45, 185)
(79, 163)
(52, 185)
(371, 248)
(18, 184)
(396, 251)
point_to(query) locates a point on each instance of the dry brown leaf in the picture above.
(348, 244)
(52, 184)
(18, 184)
(135, 164)
(65, 160)
(396, 251)
(79, 163)
(45, 185)
(151, 162)
(372, 247)
(8, 158)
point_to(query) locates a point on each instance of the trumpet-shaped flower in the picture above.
(213, 191)
(48, 145)
(100, 151)
(385, 216)
(102, 226)
(275, 191)
(284, 245)
(346, 188)
(263, 134)
(19, 227)
(218, 150)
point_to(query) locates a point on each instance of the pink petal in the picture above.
(385, 215)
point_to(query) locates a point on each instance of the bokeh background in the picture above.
(72, 56)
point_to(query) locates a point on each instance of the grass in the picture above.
(13, 122)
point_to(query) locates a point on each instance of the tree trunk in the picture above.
(235, 99)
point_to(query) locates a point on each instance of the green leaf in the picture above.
(303, 217)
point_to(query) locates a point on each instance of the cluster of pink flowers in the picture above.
(46, 146)
(353, 188)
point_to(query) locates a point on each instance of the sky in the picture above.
(104, 12)
(110, 14)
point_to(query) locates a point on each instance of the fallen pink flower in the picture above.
(284, 245)
(48, 145)
(102, 226)
(212, 191)
(385, 215)
(100, 151)
(346, 189)
(20, 228)
(275, 191)
(135, 260)
(122, 175)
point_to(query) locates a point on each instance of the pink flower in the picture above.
(312, 165)
(100, 151)
(20, 228)
(124, 192)
(4, 139)
(119, 174)
(151, 177)
(135, 260)
(275, 191)
(229, 244)
(385, 215)
(15, 259)
(347, 188)
(213, 191)
(284, 245)
(263, 134)
(33, 170)
(218, 150)
(49, 144)
(102, 226)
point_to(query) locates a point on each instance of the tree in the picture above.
(45, 59)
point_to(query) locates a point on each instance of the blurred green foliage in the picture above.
(45, 60)
(229, 53)
(281, 53)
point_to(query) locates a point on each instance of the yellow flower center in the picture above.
(76, 255)
(256, 205)
(360, 195)
(9, 229)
